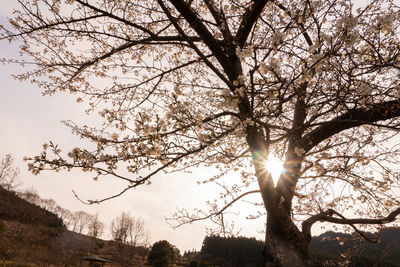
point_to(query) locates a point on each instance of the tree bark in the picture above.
(282, 248)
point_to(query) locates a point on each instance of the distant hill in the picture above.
(327, 249)
(332, 247)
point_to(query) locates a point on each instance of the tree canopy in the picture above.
(229, 84)
(162, 254)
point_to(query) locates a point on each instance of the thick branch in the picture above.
(327, 216)
(220, 20)
(192, 45)
(288, 180)
(197, 25)
(249, 18)
(353, 118)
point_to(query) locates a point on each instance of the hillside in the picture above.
(13, 208)
(30, 234)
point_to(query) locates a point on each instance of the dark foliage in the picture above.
(14, 208)
(233, 251)
(2, 227)
(162, 254)
(338, 247)
(31, 235)
(327, 249)
(200, 263)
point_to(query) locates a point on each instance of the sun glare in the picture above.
(275, 166)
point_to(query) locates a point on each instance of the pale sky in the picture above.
(28, 120)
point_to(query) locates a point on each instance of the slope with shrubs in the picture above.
(30, 235)
(13, 208)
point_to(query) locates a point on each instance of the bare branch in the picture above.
(186, 219)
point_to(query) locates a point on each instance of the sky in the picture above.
(28, 120)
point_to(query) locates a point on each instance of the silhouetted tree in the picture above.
(162, 254)
(31, 195)
(127, 229)
(80, 221)
(95, 227)
(9, 174)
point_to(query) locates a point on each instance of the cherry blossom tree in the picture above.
(229, 84)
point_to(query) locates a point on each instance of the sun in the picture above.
(275, 167)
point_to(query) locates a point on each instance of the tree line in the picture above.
(327, 249)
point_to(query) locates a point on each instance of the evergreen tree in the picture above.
(162, 254)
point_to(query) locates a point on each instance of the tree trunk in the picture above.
(283, 248)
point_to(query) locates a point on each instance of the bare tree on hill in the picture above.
(9, 174)
(96, 227)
